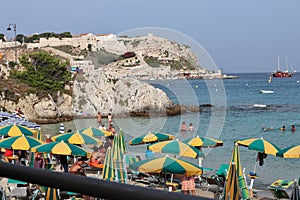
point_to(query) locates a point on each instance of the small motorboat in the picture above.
(259, 106)
(266, 91)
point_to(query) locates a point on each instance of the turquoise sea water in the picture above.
(232, 117)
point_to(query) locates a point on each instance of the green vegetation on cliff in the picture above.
(43, 71)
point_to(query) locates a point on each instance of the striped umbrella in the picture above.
(199, 142)
(236, 187)
(76, 138)
(290, 152)
(176, 147)
(20, 142)
(119, 159)
(16, 130)
(167, 165)
(96, 132)
(108, 172)
(259, 144)
(151, 138)
(61, 148)
(51, 194)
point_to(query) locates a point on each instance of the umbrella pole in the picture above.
(200, 161)
(252, 180)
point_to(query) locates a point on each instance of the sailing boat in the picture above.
(282, 74)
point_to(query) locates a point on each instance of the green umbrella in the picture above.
(119, 159)
(96, 132)
(167, 165)
(51, 194)
(76, 138)
(199, 142)
(289, 152)
(176, 147)
(60, 148)
(108, 172)
(151, 138)
(20, 142)
(15, 130)
(236, 187)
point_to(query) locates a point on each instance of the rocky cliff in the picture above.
(101, 92)
(94, 92)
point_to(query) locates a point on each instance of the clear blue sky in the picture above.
(240, 35)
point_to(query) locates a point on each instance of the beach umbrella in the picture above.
(20, 142)
(263, 147)
(16, 130)
(260, 145)
(295, 192)
(76, 138)
(108, 172)
(176, 147)
(119, 150)
(151, 138)
(199, 142)
(290, 152)
(167, 165)
(51, 194)
(236, 187)
(96, 132)
(61, 148)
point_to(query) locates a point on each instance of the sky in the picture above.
(240, 36)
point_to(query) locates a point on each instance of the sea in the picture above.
(228, 113)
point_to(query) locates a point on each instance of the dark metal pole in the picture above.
(89, 186)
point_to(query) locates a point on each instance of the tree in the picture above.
(43, 71)
(20, 38)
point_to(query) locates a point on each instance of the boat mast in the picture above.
(278, 63)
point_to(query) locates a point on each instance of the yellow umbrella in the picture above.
(290, 152)
(20, 142)
(16, 130)
(96, 132)
(176, 147)
(77, 138)
(259, 144)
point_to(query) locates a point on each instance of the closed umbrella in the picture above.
(176, 147)
(61, 148)
(77, 138)
(16, 130)
(119, 150)
(108, 172)
(167, 165)
(236, 187)
(20, 142)
(151, 138)
(290, 152)
(51, 194)
(96, 132)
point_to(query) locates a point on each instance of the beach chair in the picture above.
(213, 183)
(17, 189)
(281, 189)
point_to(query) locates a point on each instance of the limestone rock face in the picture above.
(101, 92)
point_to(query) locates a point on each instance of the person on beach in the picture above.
(38, 161)
(63, 159)
(76, 168)
(188, 185)
(293, 129)
(191, 128)
(112, 130)
(102, 127)
(109, 118)
(183, 126)
(99, 118)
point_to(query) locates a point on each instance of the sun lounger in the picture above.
(281, 189)
(212, 183)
